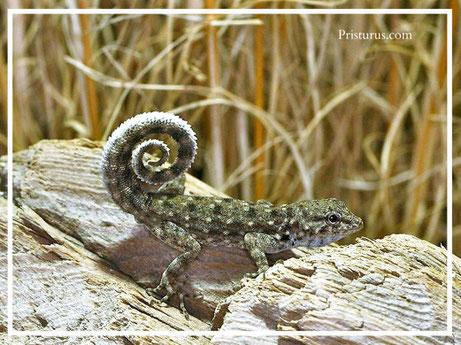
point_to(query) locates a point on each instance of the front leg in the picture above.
(257, 245)
(172, 234)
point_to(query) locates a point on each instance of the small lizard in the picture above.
(186, 221)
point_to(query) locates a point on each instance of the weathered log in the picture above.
(81, 264)
(397, 283)
(62, 184)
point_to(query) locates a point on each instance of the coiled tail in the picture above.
(123, 168)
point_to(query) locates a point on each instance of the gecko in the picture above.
(153, 193)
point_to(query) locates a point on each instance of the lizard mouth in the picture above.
(356, 226)
(353, 226)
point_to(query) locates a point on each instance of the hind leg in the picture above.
(172, 234)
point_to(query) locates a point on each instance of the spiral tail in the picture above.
(123, 167)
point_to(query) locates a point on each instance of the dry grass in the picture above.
(283, 109)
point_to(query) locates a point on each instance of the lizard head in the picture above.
(323, 221)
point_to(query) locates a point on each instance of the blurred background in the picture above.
(284, 109)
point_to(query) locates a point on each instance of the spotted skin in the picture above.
(185, 221)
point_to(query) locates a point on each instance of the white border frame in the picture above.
(447, 12)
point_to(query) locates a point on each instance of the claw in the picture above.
(165, 298)
(182, 306)
(170, 291)
(251, 274)
(255, 274)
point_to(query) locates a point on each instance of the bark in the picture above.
(80, 263)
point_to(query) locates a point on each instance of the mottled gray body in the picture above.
(218, 221)
(187, 221)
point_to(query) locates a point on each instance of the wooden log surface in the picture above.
(81, 264)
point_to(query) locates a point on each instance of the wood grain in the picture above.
(81, 264)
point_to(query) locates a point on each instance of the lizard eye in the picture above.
(333, 218)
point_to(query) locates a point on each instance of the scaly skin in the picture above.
(185, 221)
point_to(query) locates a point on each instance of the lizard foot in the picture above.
(170, 291)
(255, 274)
(250, 275)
